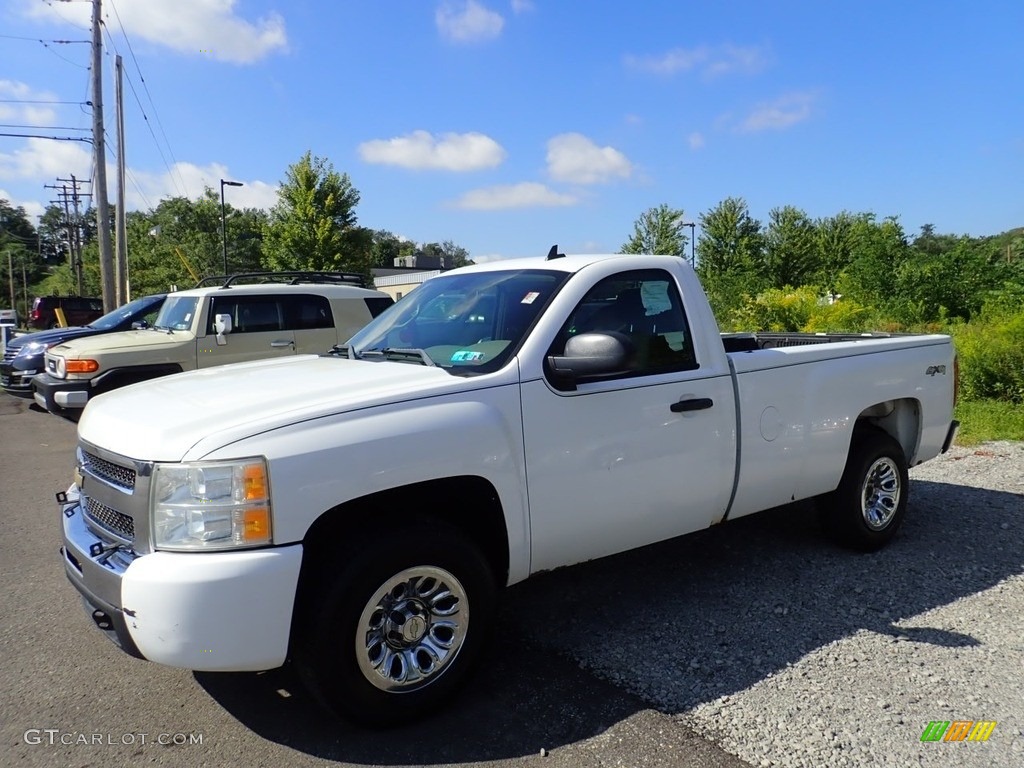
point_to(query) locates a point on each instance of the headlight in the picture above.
(62, 367)
(211, 505)
(32, 348)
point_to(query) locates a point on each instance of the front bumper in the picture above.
(55, 394)
(17, 379)
(210, 611)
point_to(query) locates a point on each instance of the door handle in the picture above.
(693, 404)
(279, 344)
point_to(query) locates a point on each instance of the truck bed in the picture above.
(751, 342)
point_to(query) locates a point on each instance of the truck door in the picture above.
(258, 330)
(633, 458)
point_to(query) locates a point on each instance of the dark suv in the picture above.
(24, 355)
(78, 310)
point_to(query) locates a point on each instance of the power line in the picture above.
(43, 101)
(43, 127)
(145, 86)
(40, 136)
(44, 42)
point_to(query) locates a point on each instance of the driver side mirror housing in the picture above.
(591, 355)
(222, 325)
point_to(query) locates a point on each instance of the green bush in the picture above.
(991, 352)
(799, 310)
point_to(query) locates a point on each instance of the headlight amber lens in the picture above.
(211, 505)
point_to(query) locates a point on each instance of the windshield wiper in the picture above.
(406, 355)
(345, 350)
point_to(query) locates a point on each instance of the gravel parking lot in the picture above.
(755, 643)
(786, 651)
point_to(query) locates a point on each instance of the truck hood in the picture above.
(52, 336)
(200, 411)
(112, 342)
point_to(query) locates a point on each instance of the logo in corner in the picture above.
(958, 730)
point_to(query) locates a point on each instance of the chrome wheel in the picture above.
(411, 629)
(880, 494)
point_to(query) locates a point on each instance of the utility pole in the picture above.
(100, 161)
(73, 226)
(121, 260)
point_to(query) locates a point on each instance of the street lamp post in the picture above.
(223, 227)
(693, 227)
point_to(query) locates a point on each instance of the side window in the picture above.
(249, 314)
(645, 307)
(307, 311)
(377, 304)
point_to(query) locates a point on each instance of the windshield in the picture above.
(177, 313)
(467, 323)
(111, 320)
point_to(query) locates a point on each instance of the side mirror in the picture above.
(138, 325)
(222, 325)
(591, 355)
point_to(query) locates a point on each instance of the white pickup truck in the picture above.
(358, 512)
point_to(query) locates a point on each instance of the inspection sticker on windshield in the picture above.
(466, 356)
(530, 297)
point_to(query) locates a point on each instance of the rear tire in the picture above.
(397, 627)
(868, 507)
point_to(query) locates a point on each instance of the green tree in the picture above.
(386, 247)
(728, 253)
(20, 264)
(879, 251)
(658, 230)
(835, 248)
(179, 241)
(790, 255)
(313, 226)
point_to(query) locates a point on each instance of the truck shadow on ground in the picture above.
(670, 626)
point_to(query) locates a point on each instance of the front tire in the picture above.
(397, 629)
(868, 507)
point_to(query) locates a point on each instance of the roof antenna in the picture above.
(554, 254)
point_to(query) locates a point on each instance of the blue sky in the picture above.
(509, 126)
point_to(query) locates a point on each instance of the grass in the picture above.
(982, 421)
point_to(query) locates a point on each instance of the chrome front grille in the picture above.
(114, 496)
(111, 520)
(122, 477)
(10, 353)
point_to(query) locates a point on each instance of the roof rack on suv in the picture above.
(288, 278)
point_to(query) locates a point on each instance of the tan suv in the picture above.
(283, 314)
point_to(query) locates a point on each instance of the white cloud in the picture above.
(448, 152)
(144, 189)
(522, 6)
(467, 22)
(199, 27)
(30, 114)
(527, 194)
(45, 160)
(707, 60)
(40, 161)
(574, 158)
(777, 115)
(695, 140)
